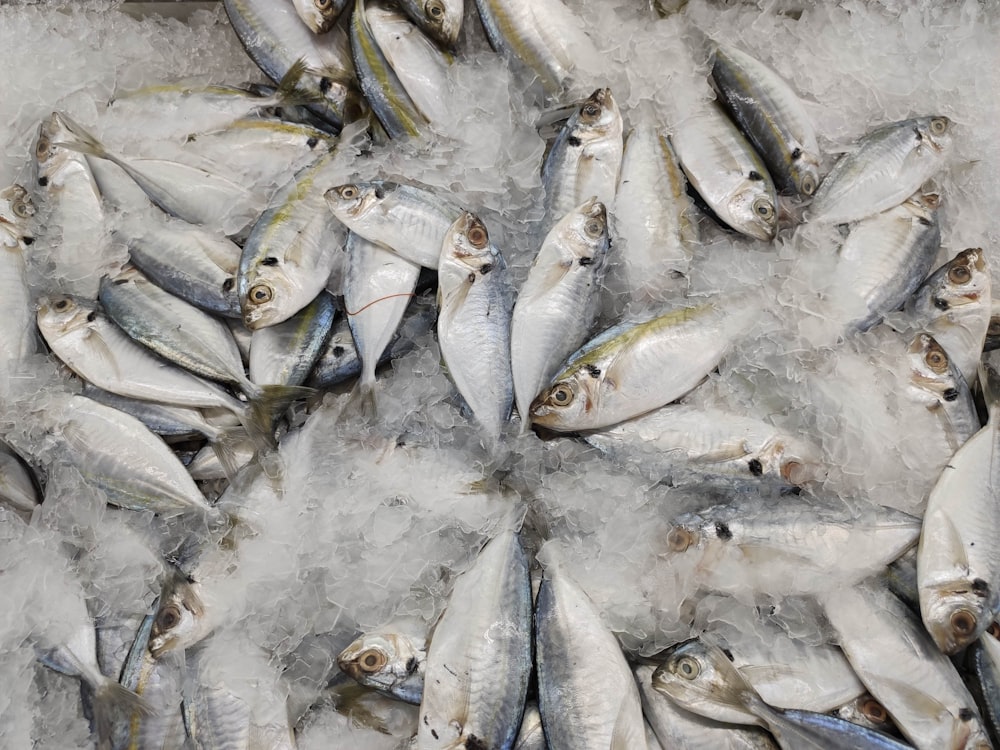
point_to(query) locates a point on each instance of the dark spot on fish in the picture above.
(426, 723)
(269, 261)
(411, 665)
(472, 277)
(27, 240)
(278, 112)
(487, 267)
(754, 175)
(474, 743)
(980, 587)
(313, 140)
(434, 734)
(594, 372)
(586, 261)
(925, 222)
(951, 394)
(451, 671)
(92, 316)
(119, 282)
(379, 192)
(43, 180)
(227, 285)
(941, 304)
(797, 153)
(728, 653)
(966, 714)
(325, 84)
(916, 132)
(723, 532)
(756, 467)
(338, 351)
(574, 141)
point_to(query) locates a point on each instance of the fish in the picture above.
(937, 383)
(284, 354)
(17, 340)
(586, 158)
(954, 305)
(889, 164)
(475, 303)
(727, 173)
(487, 622)
(441, 20)
(378, 287)
(701, 678)
(319, 15)
(771, 117)
(409, 220)
(635, 367)
(958, 567)
(558, 302)
(586, 692)
(182, 618)
(391, 659)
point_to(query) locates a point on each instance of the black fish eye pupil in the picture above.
(797, 153)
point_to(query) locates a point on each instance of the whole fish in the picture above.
(586, 158)
(954, 305)
(275, 38)
(409, 220)
(292, 250)
(474, 301)
(889, 165)
(900, 665)
(654, 218)
(441, 20)
(727, 173)
(558, 302)
(319, 15)
(772, 118)
(958, 565)
(17, 340)
(284, 354)
(885, 257)
(378, 286)
(479, 659)
(701, 678)
(586, 692)
(391, 659)
(633, 368)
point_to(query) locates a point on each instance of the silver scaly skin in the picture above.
(284, 354)
(17, 340)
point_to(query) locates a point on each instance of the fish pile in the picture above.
(508, 374)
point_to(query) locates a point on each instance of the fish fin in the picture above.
(917, 700)
(111, 699)
(288, 91)
(265, 408)
(363, 397)
(103, 353)
(225, 445)
(626, 732)
(83, 141)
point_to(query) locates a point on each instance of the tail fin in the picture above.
(226, 445)
(82, 140)
(288, 91)
(112, 701)
(266, 405)
(363, 397)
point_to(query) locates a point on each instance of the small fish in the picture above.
(319, 15)
(889, 165)
(391, 659)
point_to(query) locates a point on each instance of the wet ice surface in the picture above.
(371, 521)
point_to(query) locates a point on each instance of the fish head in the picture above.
(957, 613)
(585, 232)
(467, 244)
(572, 402)
(805, 170)
(932, 371)
(380, 660)
(965, 281)
(752, 210)
(353, 201)
(16, 210)
(701, 678)
(269, 294)
(798, 462)
(934, 132)
(598, 117)
(319, 15)
(58, 316)
(442, 20)
(180, 620)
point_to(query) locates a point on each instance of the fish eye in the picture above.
(435, 10)
(939, 125)
(42, 147)
(23, 208)
(260, 294)
(477, 236)
(964, 622)
(808, 184)
(994, 629)
(594, 227)
(763, 208)
(590, 110)
(348, 192)
(959, 275)
(169, 618)
(323, 5)
(874, 711)
(562, 395)
(62, 305)
(372, 660)
(688, 668)
(936, 359)
(679, 539)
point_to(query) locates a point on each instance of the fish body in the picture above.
(558, 302)
(18, 485)
(727, 173)
(285, 353)
(771, 117)
(889, 165)
(16, 211)
(474, 301)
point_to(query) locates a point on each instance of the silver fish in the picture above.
(888, 166)
(391, 659)
(558, 302)
(487, 622)
(771, 117)
(474, 301)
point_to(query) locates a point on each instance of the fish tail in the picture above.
(82, 140)
(114, 702)
(363, 397)
(266, 404)
(289, 91)
(225, 445)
